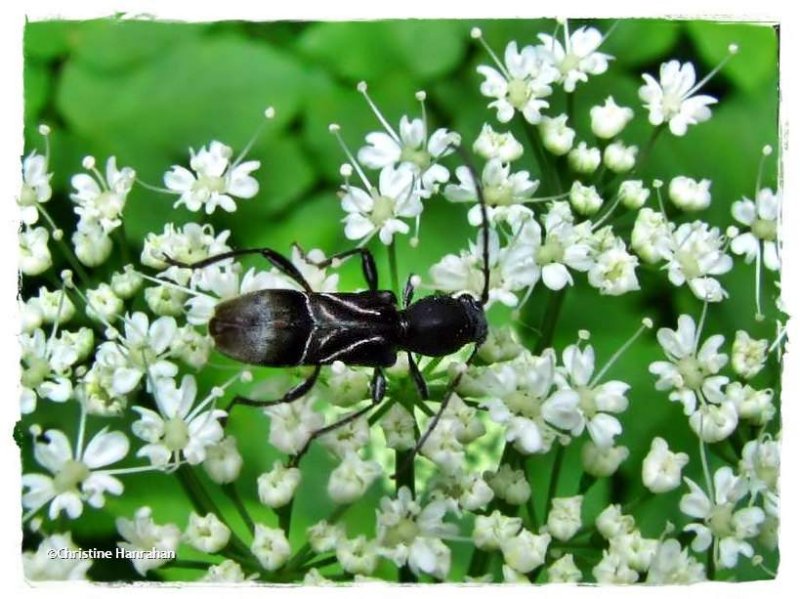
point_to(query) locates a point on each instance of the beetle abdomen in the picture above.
(269, 327)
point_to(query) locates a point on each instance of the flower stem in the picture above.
(558, 460)
(232, 492)
(550, 319)
(65, 249)
(391, 251)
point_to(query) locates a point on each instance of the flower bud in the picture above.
(324, 536)
(223, 461)
(491, 531)
(351, 478)
(357, 556)
(609, 120)
(752, 405)
(584, 199)
(749, 355)
(509, 485)
(207, 534)
(690, 195)
(398, 428)
(525, 551)
(612, 522)
(276, 487)
(713, 423)
(92, 246)
(104, 304)
(557, 137)
(126, 283)
(226, 571)
(584, 159)
(501, 345)
(633, 194)
(491, 144)
(602, 462)
(270, 546)
(564, 518)
(661, 469)
(34, 255)
(164, 300)
(619, 158)
(564, 570)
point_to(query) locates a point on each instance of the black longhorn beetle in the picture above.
(286, 327)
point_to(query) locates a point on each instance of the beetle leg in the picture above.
(408, 292)
(276, 259)
(416, 375)
(378, 386)
(367, 263)
(291, 395)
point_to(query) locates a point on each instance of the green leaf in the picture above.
(47, 40)
(37, 89)
(756, 63)
(370, 50)
(637, 42)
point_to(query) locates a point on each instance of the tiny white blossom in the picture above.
(207, 533)
(74, 477)
(661, 468)
(509, 484)
(525, 551)
(142, 534)
(752, 405)
(714, 422)
(213, 180)
(578, 56)
(49, 561)
(223, 461)
(619, 158)
(35, 187)
(270, 546)
(761, 217)
(276, 487)
(564, 517)
(689, 194)
(672, 564)
(226, 571)
(491, 144)
(584, 159)
(611, 522)
(602, 462)
(99, 201)
(614, 271)
(614, 569)
(671, 99)
(34, 255)
(490, 532)
(127, 282)
(749, 355)
(564, 570)
(585, 199)
(691, 372)
(292, 424)
(633, 194)
(92, 245)
(351, 478)
(104, 304)
(521, 84)
(324, 536)
(651, 232)
(557, 137)
(398, 428)
(358, 555)
(609, 119)
(634, 549)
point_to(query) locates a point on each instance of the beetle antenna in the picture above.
(484, 223)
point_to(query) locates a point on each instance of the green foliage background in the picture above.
(146, 91)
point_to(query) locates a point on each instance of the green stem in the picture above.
(550, 319)
(554, 475)
(285, 517)
(119, 232)
(392, 253)
(233, 494)
(66, 250)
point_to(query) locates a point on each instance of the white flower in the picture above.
(564, 517)
(443, 447)
(142, 534)
(612, 522)
(760, 465)
(348, 438)
(501, 190)
(609, 119)
(578, 57)
(614, 569)
(53, 560)
(270, 546)
(651, 232)
(585, 199)
(99, 201)
(469, 489)
(54, 306)
(47, 365)
(190, 243)
(520, 84)
(223, 461)
(564, 570)
(103, 303)
(207, 534)
(602, 462)
(501, 344)
(584, 159)
(619, 158)
(492, 531)
(614, 271)
(695, 254)
(143, 348)
(192, 347)
(358, 555)
(410, 534)
(671, 100)
(276, 487)
(557, 137)
(34, 255)
(661, 468)
(509, 485)
(749, 355)
(226, 571)
(411, 148)
(511, 269)
(635, 550)
(720, 521)
(126, 283)
(690, 373)
(582, 403)
(35, 187)
(672, 564)
(525, 551)
(491, 144)
(215, 181)
(689, 194)
(92, 245)
(398, 428)
(751, 404)
(633, 194)
(324, 536)
(292, 424)
(351, 478)
(179, 428)
(761, 217)
(714, 422)
(74, 477)
(381, 209)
